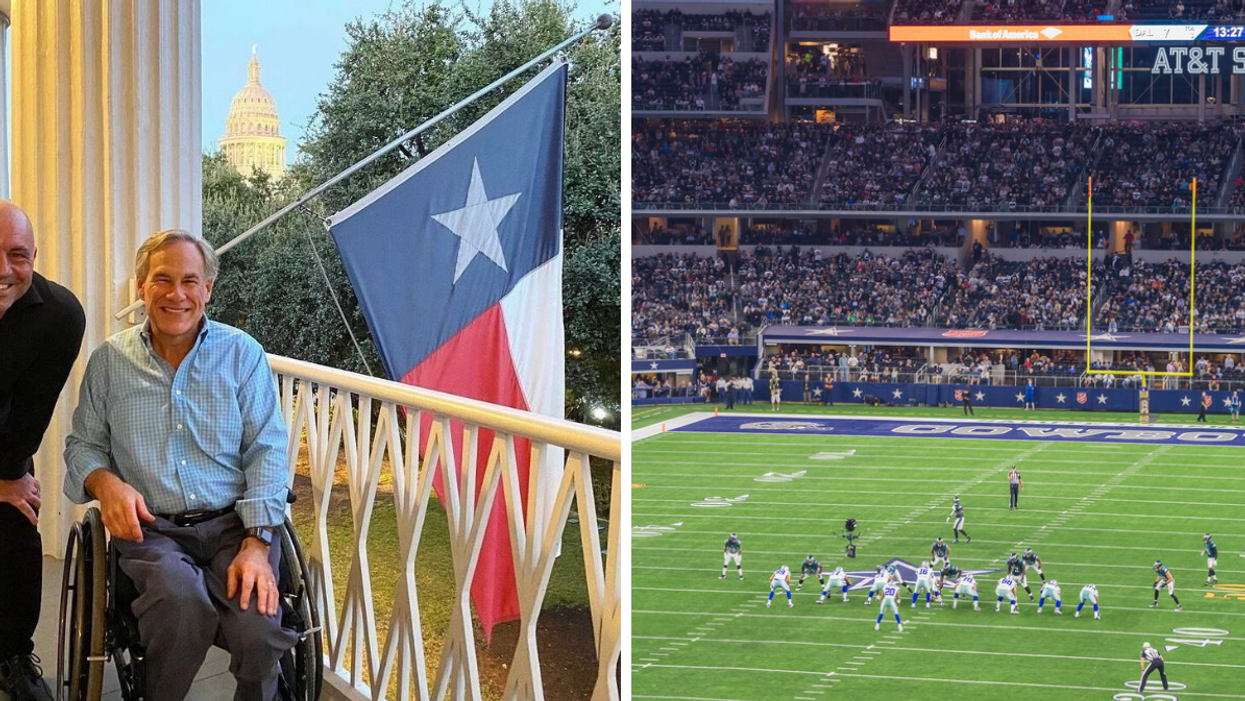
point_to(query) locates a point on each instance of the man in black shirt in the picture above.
(41, 326)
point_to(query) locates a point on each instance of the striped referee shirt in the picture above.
(1014, 476)
(206, 436)
(1150, 654)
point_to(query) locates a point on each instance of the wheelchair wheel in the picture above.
(80, 643)
(303, 668)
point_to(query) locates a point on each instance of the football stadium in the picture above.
(938, 306)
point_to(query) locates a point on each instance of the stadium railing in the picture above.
(375, 426)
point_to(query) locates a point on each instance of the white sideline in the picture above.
(940, 650)
(930, 679)
(640, 434)
(949, 625)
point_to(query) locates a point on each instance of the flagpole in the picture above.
(603, 22)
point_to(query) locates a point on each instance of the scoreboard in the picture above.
(1071, 33)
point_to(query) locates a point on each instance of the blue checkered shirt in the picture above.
(206, 436)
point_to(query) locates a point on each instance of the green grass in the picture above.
(1093, 512)
(642, 416)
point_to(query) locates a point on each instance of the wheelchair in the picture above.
(96, 624)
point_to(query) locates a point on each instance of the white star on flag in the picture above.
(476, 224)
(1184, 401)
(980, 396)
(1102, 399)
(898, 394)
(1061, 396)
(856, 393)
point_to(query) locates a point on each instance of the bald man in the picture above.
(41, 326)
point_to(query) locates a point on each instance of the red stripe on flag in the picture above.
(476, 363)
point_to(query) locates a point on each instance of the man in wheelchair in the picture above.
(177, 433)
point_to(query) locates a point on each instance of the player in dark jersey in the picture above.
(732, 551)
(1212, 559)
(938, 553)
(1164, 578)
(1016, 570)
(811, 567)
(1032, 562)
(957, 513)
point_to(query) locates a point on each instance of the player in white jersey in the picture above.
(1089, 593)
(838, 579)
(1006, 589)
(880, 578)
(924, 580)
(968, 587)
(889, 592)
(892, 575)
(1050, 589)
(780, 579)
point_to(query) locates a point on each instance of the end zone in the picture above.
(899, 427)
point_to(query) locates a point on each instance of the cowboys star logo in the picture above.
(863, 579)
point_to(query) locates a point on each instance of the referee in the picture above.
(1013, 479)
(1152, 658)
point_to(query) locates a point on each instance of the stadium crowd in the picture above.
(740, 80)
(1044, 294)
(926, 11)
(1209, 11)
(736, 162)
(1155, 297)
(674, 295)
(1039, 10)
(648, 30)
(1151, 164)
(1025, 163)
(877, 164)
(791, 287)
(666, 84)
(841, 17)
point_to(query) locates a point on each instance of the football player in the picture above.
(888, 604)
(1089, 593)
(880, 577)
(966, 586)
(1032, 562)
(1016, 570)
(924, 581)
(1006, 588)
(892, 575)
(732, 552)
(947, 576)
(1212, 559)
(1164, 578)
(809, 567)
(780, 579)
(1050, 589)
(838, 578)
(938, 553)
(957, 513)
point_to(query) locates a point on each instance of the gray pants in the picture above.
(182, 610)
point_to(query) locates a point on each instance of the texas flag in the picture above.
(457, 265)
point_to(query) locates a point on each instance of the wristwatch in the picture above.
(263, 534)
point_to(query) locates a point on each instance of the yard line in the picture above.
(942, 650)
(838, 478)
(958, 559)
(929, 679)
(954, 625)
(762, 534)
(681, 698)
(942, 493)
(717, 513)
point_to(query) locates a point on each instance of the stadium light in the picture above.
(600, 414)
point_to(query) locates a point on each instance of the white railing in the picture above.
(330, 411)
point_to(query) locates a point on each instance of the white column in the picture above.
(106, 150)
(5, 11)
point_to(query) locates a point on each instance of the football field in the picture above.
(1097, 509)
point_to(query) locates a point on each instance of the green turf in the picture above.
(1119, 507)
(642, 416)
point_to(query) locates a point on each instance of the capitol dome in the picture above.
(252, 137)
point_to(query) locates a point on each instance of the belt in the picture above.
(191, 518)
